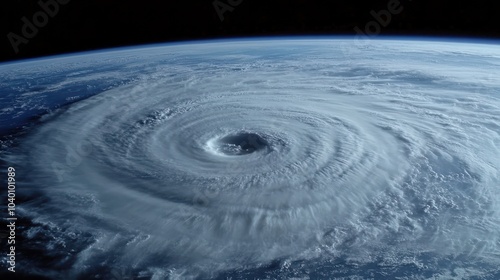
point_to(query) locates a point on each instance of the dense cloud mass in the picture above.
(283, 158)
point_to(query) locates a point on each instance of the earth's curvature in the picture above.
(258, 159)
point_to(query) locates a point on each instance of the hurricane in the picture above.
(299, 159)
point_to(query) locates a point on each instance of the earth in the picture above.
(283, 158)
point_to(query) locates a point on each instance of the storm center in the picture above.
(241, 143)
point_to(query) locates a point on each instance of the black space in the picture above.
(90, 24)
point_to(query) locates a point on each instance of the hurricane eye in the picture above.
(241, 143)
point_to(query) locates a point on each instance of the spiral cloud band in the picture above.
(226, 157)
